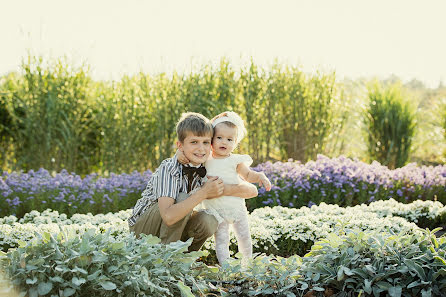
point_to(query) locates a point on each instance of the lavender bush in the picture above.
(348, 182)
(341, 181)
(69, 193)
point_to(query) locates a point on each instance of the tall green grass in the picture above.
(55, 116)
(390, 124)
(51, 116)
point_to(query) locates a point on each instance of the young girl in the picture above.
(229, 130)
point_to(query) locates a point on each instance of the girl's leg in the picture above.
(222, 242)
(241, 229)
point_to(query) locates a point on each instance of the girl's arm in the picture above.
(243, 190)
(182, 158)
(253, 177)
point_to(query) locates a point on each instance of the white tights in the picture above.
(241, 229)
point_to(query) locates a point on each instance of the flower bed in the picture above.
(354, 262)
(367, 249)
(339, 181)
(69, 193)
(278, 230)
(348, 182)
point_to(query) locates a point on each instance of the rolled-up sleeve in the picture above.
(166, 184)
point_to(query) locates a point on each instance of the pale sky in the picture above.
(353, 37)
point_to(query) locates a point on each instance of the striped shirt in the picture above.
(167, 181)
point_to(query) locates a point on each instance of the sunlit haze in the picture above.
(355, 38)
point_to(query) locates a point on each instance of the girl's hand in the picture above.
(264, 181)
(182, 158)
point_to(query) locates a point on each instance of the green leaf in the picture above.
(413, 284)
(441, 272)
(117, 246)
(368, 286)
(440, 259)
(370, 269)
(426, 293)
(348, 271)
(304, 285)
(395, 291)
(185, 290)
(83, 271)
(94, 275)
(150, 239)
(416, 267)
(31, 281)
(68, 292)
(33, 292)
(340, 275)
(57, 279)
(384, 285)
(44, 288)
(46, 236)
(213, 269)
(108, 285)
(78, 281)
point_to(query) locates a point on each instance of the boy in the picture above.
(166, 206)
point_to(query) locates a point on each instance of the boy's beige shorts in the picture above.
(198, 225)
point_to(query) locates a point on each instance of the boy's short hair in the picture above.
(195, 123)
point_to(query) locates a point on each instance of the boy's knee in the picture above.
(207, 225)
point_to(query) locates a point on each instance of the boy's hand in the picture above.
(182, 158)
(264, 181)
(213, 187)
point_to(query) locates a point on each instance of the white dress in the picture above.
(225, 208)
(228, 210)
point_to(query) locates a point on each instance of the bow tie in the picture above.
(189, 171)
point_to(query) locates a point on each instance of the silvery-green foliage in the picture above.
(261, 276)
(403, 264)
(72, 265)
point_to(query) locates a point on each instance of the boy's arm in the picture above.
(172, 212)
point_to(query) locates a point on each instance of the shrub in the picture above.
(68, 265)
(373, 263)
(357, 248)
(390, 125)
(347, 182)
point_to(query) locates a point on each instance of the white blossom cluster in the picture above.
(269, 226)
(412, 212)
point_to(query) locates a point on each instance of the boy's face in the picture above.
(195, 148)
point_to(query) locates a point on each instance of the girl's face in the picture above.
(223, 142)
